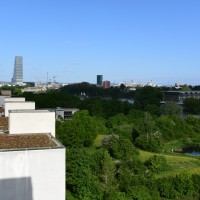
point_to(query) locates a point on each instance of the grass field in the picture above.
(179, 162)
(98, 140)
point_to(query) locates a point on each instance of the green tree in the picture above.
(80, 180)
(140, 192)
(116, 120)
(196, 181)
(185, 87)
(122, 87)
(172, 108)
(120, 148)
(192, 105)
(149, 136)
(147, 125)
(80, 131)
(17, 91)
(157, 164)
(153, 143)
(103, 166)
(183, 184)
(166, 188)
(147, 96)
(166, 126)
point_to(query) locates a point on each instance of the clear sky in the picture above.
(124, 40)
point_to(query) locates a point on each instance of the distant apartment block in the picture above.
(65, 113)
(20, 105)
(106, 84)
(18, 71)
(180, 96)
(31, 121)
(32, 167)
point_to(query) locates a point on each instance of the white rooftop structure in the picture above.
(18, 105)
(33, 167)
(14, 99)
(32, 121)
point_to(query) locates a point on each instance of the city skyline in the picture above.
(123, 40)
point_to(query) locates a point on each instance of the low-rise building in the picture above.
(32, 167)
(7, 98)
(65, 113)
(180, 96)
(31, 121)
(14, 99)
(18, 105)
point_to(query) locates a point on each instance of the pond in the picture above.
(193, 153)
(191, 149)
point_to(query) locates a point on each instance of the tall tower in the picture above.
(18, 71)
(99, 80)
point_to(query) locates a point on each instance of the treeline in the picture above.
(100, 102)
(96, 106)
(147, 99)
(92, 90)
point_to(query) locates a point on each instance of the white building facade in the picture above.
(20, 105)
(14, 99)
(33, 173)
(31, 121)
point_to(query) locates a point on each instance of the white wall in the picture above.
(32, 121)
(9, 99)
(32, 175)
(2, 100)
(18, 106)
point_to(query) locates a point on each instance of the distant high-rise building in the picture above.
(18, 71)
(99, 80)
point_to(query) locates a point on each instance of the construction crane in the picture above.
(54, 78)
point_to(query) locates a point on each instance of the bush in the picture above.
(157, 164)
(151, 143)
(119, 148)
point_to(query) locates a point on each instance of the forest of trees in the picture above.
(113, 169)
(121, 151)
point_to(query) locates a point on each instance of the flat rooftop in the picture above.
(4, 123)
(30, 111)
(19, 102)
(27, 141)
(1, 110)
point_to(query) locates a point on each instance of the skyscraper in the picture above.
(99, 80)
(18, 71)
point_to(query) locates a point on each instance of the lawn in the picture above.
(98, 140)
(179, 162)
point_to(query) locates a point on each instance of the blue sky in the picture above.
(74, 40)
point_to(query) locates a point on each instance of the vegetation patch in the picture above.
(12, 141)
